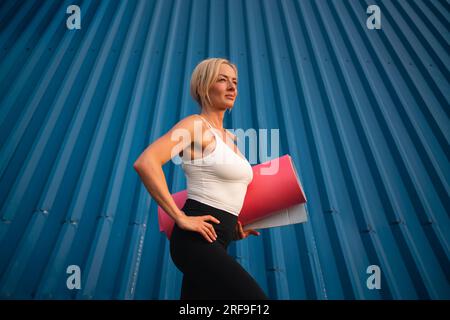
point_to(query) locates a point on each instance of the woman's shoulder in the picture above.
(188, 121)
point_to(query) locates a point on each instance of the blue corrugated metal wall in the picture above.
(364, 114)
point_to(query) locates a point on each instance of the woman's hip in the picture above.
(225, 230)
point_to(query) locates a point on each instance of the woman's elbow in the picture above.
(143, 163)
(137, 162)
(136, 165)
(140, 163)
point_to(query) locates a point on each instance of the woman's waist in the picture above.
(225, 200)
(194, 207)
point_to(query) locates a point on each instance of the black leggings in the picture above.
(208, 271)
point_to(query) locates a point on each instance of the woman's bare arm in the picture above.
(149, 167)
(149, 164)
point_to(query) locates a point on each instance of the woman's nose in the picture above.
(231, 85)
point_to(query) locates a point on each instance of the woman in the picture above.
(217, 179)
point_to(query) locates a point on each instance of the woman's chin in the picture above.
(226, 106)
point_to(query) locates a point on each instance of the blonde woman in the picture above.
(217, 178)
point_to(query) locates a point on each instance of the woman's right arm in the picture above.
(149, 167)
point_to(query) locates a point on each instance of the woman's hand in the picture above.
(199, 224)
(241, 234)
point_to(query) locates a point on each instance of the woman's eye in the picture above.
(235, 83)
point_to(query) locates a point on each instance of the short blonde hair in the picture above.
(204, 75)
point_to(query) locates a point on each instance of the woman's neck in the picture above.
(214, 117)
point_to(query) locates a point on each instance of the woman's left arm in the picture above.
(242, 234)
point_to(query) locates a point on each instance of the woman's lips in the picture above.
(230, 97)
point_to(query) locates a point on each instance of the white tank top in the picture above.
(220, 178)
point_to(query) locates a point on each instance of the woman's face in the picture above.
(224, 90)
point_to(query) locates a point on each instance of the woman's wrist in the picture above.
(179, 215)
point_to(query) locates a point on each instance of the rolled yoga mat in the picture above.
(274, 198)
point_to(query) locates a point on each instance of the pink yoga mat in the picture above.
(275, 189)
